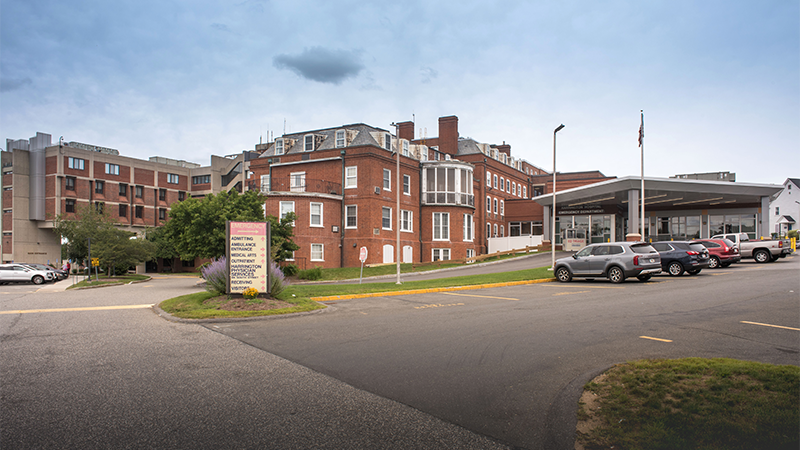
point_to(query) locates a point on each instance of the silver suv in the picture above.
(17, 272)
(614, 260)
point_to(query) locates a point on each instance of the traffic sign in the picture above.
(95, 262)
(362, 256)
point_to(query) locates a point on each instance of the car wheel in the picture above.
(713, 263)
(616, 275)
(563, 274)
(644, 277)
(762, 256)
(675, 269)
(38, 279)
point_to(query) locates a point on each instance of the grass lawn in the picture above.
(105, 280)
(692, 403)
(191, 306)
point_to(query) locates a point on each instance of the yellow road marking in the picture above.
(481, 296)
(88, 308)
(655, 339)
(768, 325)
(571, 293)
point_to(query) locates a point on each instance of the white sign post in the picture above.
(362, 256)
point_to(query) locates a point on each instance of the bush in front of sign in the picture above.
(216, 276)
(250, 293)
(277, 280)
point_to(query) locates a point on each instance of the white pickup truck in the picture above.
(761, 250)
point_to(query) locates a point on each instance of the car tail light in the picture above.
(692, 252)
(636, 260)
(780, 244)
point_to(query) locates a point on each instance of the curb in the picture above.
(428, 291)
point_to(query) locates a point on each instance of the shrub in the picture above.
(289, 269)
(277, 280)
(792, 234)
(250, 293)
(310, 274)
(216, 276)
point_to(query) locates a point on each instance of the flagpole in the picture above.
(641, 145)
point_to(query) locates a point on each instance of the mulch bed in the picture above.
(235, 302)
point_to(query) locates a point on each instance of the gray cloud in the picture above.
(322, 64)
(11, 84)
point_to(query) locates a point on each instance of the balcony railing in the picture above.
(448, 198)
(307, 185)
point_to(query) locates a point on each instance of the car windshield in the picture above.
(698, 247)
(584, 252)
(643, 248)
(729, 242)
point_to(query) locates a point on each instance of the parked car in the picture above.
(57, 273)
(614, 260)
(764, 250)
(10, 273)
(682, 256)
(722, 252)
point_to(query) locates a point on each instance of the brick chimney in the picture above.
(406, 130)
(448, 135)
(504, 148)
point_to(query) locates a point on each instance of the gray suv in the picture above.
(614, 260)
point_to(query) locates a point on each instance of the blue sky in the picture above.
(719, 81)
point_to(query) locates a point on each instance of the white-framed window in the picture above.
(340, 141)
(286, 208)
(308, 143)
(265, 183)
(279, 146)
(351, 216)
(488, 204)
(502, 208)
(524, 191)
(405, 147)
(297, 182)
(468, 236)
(494, 178)
(315, 211)
(495, 230)
(513, 188)
(502, 230)
(386, 218)
(488, 230)
(470, 253)
(387, 141)
(291, 258)
(441, 254)
(172, 178)
(508, 186)
(351, 177)
(441, 226)
(502, 184)
(387, 180)
(488, 178)
(407, 184)
(317, 252)
(76, 163)
(406, 220)
(495, 206)
(112, 169)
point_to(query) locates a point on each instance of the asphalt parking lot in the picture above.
(510, 362)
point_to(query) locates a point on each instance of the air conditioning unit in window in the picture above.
(377, 189)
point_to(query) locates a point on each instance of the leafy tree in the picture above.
(282, 231)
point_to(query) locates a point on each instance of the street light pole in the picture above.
(553, 228)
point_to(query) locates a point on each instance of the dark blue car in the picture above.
(682, 256)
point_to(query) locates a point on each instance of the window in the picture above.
(181, 196)
(405, 147)
(488, 178)
(488, 230)
(297, 182)
(265, 183)
(407, 184)
(69, 206)
(201, 179)
(386, 218)
(495, 230)
(172, 178)
(502, 230)
(513, 188)
(162, 214)
(279, 146)
(441, 226)
(99, 187)
(317, 252)
(340, 141)
(777, 210)
(387, 141)
(468, 236)
(286, 208)
(99, 206)
(350, 212)
(447, 185)
(495, 206)
(308, 143)
(441, 254)
(502, 184)
(123, 210)
(75, 163)
(508, 186)
(139, 192)
(495, 181)
(387, 179)
(112, 169)
(123, 190)
(316, 214)
(406, 220)
(162, 194)
(537, 190)
(471, 253)
(524, 192)
(69, 183)
(139, 212)
(502, 207)
(351, 177)
(488, 204)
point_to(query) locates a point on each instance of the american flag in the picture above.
(641, 132)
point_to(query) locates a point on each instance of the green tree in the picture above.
(282, 231)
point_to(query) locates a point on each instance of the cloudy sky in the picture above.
(719, 81)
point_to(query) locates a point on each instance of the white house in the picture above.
(784, 209)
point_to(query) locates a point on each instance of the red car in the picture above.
(723, 252)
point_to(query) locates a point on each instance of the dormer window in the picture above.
(387, 141)
(279, 146)
(340, 141)
(308, 144)
(405, 147)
